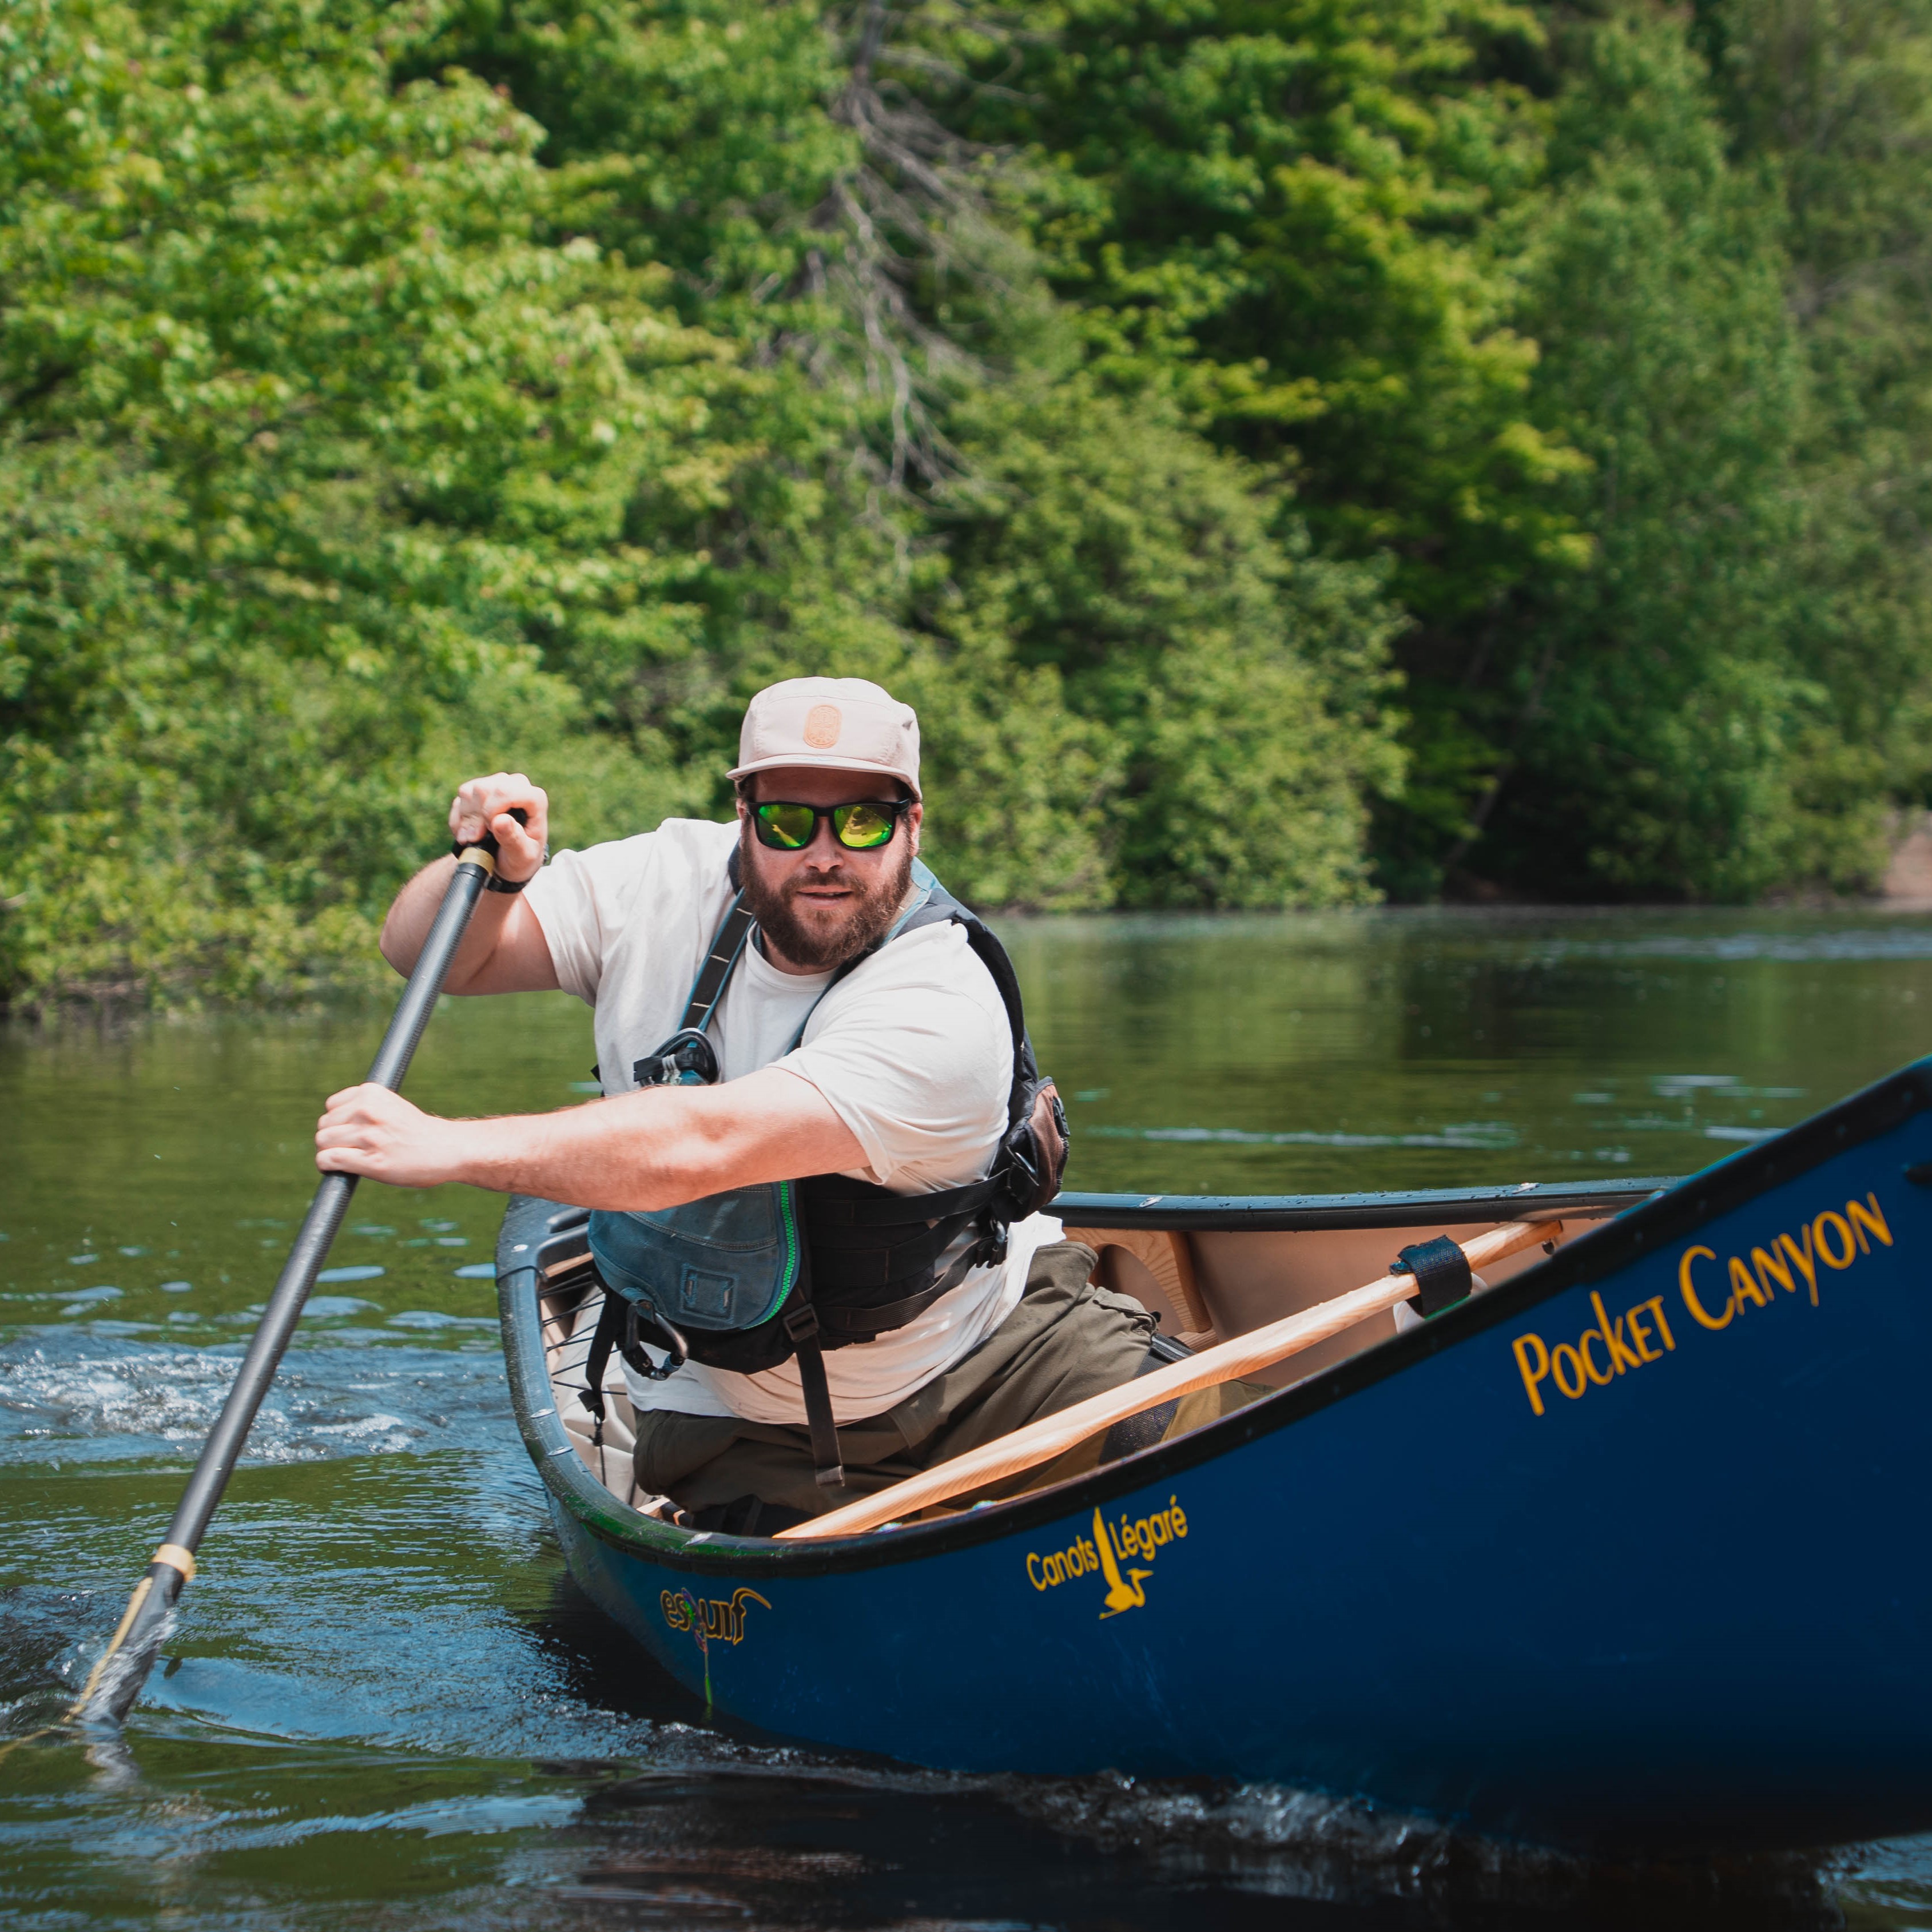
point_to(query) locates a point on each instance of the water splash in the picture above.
(66, 1400)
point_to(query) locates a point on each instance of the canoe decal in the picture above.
(1713, 1293)
(712, 1620)
(1109, 1555)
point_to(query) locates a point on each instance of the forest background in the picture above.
(1291, 451)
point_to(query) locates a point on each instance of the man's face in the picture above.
(820, 906)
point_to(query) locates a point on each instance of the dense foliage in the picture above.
(1286, 451)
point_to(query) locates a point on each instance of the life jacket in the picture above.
(745, 1280)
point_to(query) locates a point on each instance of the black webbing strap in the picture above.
(866, 1325)
(859, 1205)
(1441, 1272)
(609, 1326)
(708, 988)
(828, 1467)
(801, 1325)
(875, 1252)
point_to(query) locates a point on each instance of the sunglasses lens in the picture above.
(861, 827)
(787, 826)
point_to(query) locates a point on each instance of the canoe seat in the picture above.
(1155, 1266)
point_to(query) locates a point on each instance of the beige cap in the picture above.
(839, 724)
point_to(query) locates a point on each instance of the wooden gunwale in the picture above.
(1653, 1219)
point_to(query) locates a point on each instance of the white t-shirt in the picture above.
(912, 1051)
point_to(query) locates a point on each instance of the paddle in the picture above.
(1040, 1442)
(135, 1643)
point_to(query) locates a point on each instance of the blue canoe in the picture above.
(1623, 1549)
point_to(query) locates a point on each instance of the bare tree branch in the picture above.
(913, 212)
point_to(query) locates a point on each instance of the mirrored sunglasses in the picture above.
(860, 827)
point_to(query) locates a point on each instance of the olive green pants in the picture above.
(1067, 1339)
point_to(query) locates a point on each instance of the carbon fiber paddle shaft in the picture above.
(117, 1681)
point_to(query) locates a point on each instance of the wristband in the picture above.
(496, 883)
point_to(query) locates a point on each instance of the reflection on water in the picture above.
(386, 1701)
(1438, 1049)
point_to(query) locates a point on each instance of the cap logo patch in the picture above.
(822, 725)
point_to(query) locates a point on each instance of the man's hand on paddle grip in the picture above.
(483, 804)
(504, 950)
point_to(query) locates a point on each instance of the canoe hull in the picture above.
(1687, 1601)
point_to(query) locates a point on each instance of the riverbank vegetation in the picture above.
(1288, 453)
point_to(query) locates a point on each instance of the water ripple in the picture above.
(1854, 943)
(1485, 1135)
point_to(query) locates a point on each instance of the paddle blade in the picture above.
(116, 1680)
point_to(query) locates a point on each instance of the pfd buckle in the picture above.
(687, 1059)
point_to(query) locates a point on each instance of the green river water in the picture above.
(385, 1704)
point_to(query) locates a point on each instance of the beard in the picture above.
(818, 940)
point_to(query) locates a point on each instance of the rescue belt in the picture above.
(858, 1260)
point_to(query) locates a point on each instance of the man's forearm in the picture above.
(654, 1149)
(639, 1151)
(635, 1150)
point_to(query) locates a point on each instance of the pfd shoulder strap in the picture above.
(715, 975)
(689, 1054)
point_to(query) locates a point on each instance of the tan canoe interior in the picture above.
(1206, 1286)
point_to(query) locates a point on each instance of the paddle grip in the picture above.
(487, 843)
(223, 1449)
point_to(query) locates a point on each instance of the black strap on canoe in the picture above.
(610, 1325)
(1441, 1272)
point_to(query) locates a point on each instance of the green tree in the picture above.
(306, 439)
(1834, 98)
(1610, 363)
(1285, 218)
(1656, 709)
(361, 429)
(817, 212)
(1278, 212)
(1237, 688)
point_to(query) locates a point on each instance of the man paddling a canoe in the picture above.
(798, 1034)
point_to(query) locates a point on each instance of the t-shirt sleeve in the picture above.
(915, 1055)
(582, 900)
